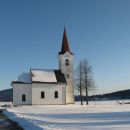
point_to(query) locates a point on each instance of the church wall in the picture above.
(69, 95)
(62, 66)
(49, 90)
(68, 70)
(19, 90)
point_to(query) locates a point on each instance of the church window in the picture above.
(56, 94)
(42, 94)
(67, 62)
(67, 75)
(23, 97)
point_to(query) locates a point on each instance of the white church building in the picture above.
(42, 86)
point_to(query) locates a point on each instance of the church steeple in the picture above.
(66, 67)
(65, 44)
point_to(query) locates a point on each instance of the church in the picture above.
(47, 86)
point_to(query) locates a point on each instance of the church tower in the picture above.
(66, 66)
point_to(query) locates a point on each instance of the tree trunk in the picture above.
(86, 95)
(81, 97)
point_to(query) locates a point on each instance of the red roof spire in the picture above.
(65, 45)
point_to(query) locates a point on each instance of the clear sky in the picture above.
(99, 30)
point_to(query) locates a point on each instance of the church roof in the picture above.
(42, 76)
(60, 76)
(65, 44)
(24, 78)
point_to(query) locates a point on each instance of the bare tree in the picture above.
(87, 77)
(84, 79)
(79, 80)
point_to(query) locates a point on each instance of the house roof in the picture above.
(65, 44)
(42, 76)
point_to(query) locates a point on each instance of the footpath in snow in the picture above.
(107, 115)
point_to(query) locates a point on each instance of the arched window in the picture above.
(42, 94)
(23, 97)
(56, 94)
(67, 62)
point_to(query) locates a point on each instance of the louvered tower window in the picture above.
(67, 62)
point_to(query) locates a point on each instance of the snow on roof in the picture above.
(43, 75)
(24, 77)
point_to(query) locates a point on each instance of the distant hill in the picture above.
(6, 95)
(124, 94)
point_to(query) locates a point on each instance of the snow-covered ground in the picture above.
(103, 115)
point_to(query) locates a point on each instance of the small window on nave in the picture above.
(56, 94)
(23, 97)
(42, 94)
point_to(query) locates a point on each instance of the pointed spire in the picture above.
(65, 44)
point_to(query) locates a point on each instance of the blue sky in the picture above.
(99, 30)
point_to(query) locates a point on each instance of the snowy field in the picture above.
(107, 115)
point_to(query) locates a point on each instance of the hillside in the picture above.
(124, 94)
(6, 95)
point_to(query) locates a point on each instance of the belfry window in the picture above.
(67, 62)
(23, 97)
(67, 76)
(42, 94)
(56, 94)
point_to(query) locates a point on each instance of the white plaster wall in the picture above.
(69, 95)
(19, 90)
(49, 90)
